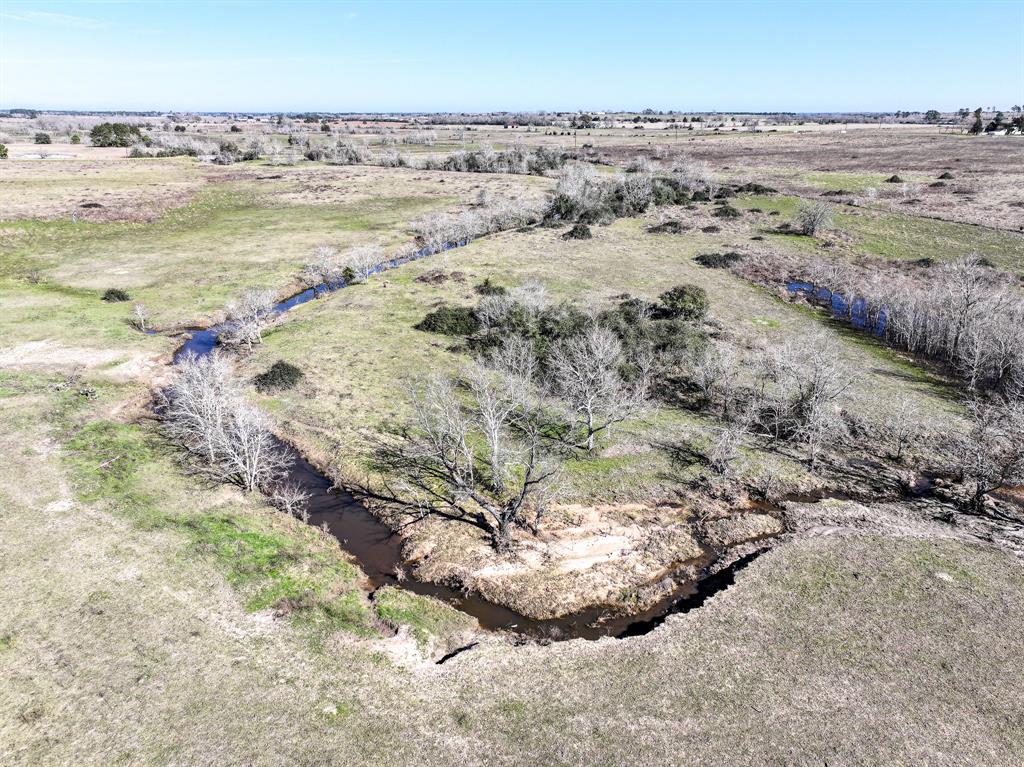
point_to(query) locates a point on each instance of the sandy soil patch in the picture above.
(117, 364)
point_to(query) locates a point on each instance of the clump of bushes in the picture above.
(117, 134)
(718, 260)
(668, 227)
(281, 375)
(712, 229)
(685, 302)
(754, 188)
(578, 232)
(116, 295)
(488, 288)
(42, 138)
(76, 139)
(451, 321)
(727, 211)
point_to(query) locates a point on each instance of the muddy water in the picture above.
(377, 549)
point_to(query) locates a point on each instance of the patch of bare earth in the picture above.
(625, 557)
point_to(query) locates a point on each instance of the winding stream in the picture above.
(377, 548)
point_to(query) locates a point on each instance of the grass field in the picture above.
(154, 617)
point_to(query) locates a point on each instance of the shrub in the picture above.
(813, 217)
(3, 152)
(280, 375)
(179, 128)
(42, 138)
(578, 232)
(488, 288)
(451, 321)
(116, 134)
(752, 188)
(711, 229)
(947, 176)
(76, 139)
(718, 260)
(894, 179)
(235, 129)
(668, 227)
(727, 211)
(937, 184)
(684, 302)
(116, 295)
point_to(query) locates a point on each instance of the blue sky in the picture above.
(434, 56)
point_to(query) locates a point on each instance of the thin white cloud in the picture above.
(55, 19)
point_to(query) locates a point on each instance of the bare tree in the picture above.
(291, 498)
(204, 411)
(140, 317)
(362, 261)
(323, 268)
(586, 376)
(903, 426)
(991, 454)
(436, 465)
(247, 315)
(725, 448)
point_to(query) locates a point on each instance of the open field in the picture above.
(159, 615)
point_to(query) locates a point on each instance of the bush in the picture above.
(668, 227)
(894, 179)
(813, 217)
(718, 260)
(947, 176)
(76, 139)
(488, 288)
(711, 229)
(116, 295)
(43, 138)
(235, 129)
(578, 232)
(3, 152)
(451, 321)
(727, 211)
(179, 128)
(116, 134)
(752, 188)
(684, 302)
(280, 375)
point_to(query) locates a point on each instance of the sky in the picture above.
(523, 56)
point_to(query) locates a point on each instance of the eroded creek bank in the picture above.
(681, 579)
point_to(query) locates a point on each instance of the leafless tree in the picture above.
(991, 454)
(725, 448)
(291, 498)
(140, 317)
(362, 260)
(696, 175)
(586, 376)
(204, 411)
(480, 461)
(715, 372)
(247, 316)
(903, 426)
(323, 268)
